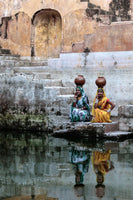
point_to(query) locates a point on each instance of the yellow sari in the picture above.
(100, 114)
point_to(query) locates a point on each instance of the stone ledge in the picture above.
(85, 129)
(119, 135)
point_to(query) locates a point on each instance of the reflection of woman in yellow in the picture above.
(101, 162)
(102, 107)
(101, 165)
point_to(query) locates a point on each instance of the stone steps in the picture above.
(59, 90)
(7, 63)
(45, 72)
(61, 105)
(9, 57)
(31, 63)
(85, 130)
(18, 64)
(42, 75)
(30, 69)
(53, 83)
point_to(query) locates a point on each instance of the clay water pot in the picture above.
(79, 80)
(100, 82)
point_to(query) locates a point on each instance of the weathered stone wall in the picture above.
(75, 26)
(39, 98)
(56, 37)
(107, 38)
(103, 4)
(23, 103)
(126, 118)
(16, 34)
(116, 67)
(51, 27)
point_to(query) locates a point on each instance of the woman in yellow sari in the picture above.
(102, 107)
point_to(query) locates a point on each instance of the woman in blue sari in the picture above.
(80, 110)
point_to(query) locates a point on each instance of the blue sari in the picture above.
(77, 114)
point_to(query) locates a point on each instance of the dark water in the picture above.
(48, 168)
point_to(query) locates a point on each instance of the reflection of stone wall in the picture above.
(37, 197)
(29, 164)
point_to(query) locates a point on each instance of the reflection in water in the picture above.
(80, 160)
(50, 168)
(101, 165)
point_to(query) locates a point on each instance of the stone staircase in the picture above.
(53, 86)
(59, 94)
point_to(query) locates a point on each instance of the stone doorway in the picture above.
(46, 34)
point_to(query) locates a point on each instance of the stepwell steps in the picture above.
(60, 90)
(30, 69)
(86, 130)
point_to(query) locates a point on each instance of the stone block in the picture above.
(125, 114)
(110, 127)
(52, 83)
(43, 75)
(131, 128)
(66, 90)
(123, 126)
(125, 111)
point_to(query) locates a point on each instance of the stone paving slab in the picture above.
(85, 129)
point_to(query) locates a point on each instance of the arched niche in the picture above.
(46, 34)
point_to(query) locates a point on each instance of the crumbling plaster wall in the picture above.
(108, 38)
(78, 19)
(16, 34)
(73, 15)
(75, 26)
(11, 7)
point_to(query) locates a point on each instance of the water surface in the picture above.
(47, 168)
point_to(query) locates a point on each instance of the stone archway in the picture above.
(46, 33)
